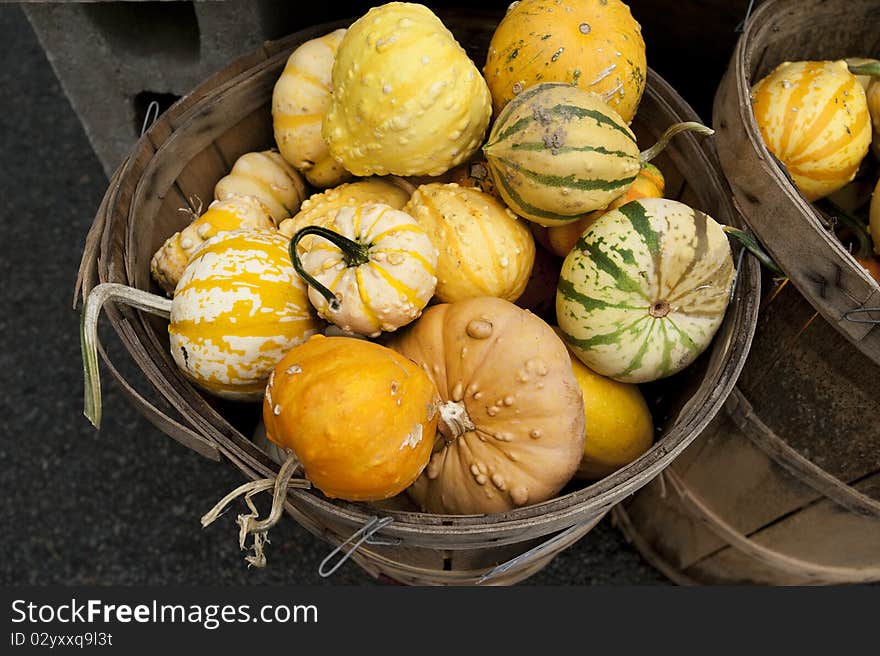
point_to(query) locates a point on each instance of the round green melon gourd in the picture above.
(645, 289)
(558, 152)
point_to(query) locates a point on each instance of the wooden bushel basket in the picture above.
(176, 164)
(784, 487)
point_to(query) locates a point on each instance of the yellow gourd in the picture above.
(597, 46)
(813, 116)
(235, 213)
(360, 417)
(267, 177)
(485, 250)
(406, 98)
(872, 96)
(299, 101)
(874, 216)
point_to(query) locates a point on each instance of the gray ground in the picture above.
(120, 506)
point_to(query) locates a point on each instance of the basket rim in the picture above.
(562, 510)
(859, 289)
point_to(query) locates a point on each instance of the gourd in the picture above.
(561, 239)
(238, 308)
(619, 426)
(874, 218)
(872, 96)
(406, 98)
(645, 289)
(485, 250)
(373, 270)
(235, 213)
(360, 417)
(511, 426)
(813, 116)
(299, 101)
(557, 152)
(320, 209)
(268, 178)
(596, 46)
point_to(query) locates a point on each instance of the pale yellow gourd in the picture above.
(813, 116)
(299, 102)
(267, 177)
(485, 249)
(872, 95)
(235, 213)
(372, 269)
(406, 98)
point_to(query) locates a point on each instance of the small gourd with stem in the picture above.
(374, 271)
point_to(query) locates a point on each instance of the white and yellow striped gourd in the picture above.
(406, 98)
(372, 270)
(299, 101)
(235, 213)
(813, 116)
(644, 290)
(238, 309)
(485, 249)
(267, 177)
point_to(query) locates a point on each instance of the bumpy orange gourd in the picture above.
(511, 428)
(813, 116)
(595, 45)
(485, 250)
(360, 417)
(299, 101)
(561, 239)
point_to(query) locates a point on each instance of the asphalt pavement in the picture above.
(121, 506)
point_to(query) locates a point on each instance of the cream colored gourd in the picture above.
(485, 249)
(239, 307)
(235, 213)
(813, 116)
(267, 177)
(320, 209)
(299, 101)
(374, 270)
(511, 429)
(406, 98)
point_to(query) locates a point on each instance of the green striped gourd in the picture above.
(557, 152)
(644, 289)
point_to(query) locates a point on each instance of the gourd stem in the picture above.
(752, 245)
(671, 131)
(454, 420)
(88, 334)
(353, 253)
(249, 524)
(871, 68)
(851, 223)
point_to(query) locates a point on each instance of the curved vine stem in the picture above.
(854, 225)
(671, 131)
(249, 524)
(751, 244)
(871, 68)
(353, 253)
(88, 334)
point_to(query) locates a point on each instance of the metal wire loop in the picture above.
(151, 115)
(356, 539)
(849, 315)
(742, 26)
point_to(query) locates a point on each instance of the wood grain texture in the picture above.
(228, 114)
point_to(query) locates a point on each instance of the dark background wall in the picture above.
(122, 505)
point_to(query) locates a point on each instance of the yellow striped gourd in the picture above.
(813, 116)
(234, 213)
(267, 177)
(239, 307)
(406, 98)
(373, 269)
(557, 152)
(485, 250)
(299, 101)
(645, 289)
